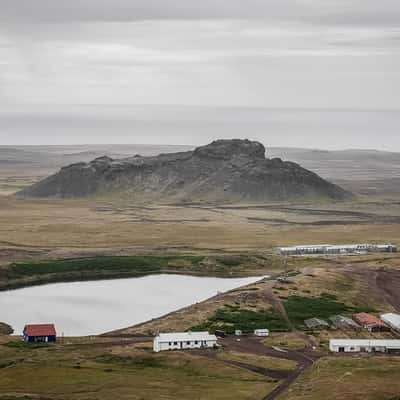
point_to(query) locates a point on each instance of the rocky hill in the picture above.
(5, 329)
(225, 170)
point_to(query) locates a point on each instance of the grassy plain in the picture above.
(258, 360)
(89, 371)
(355, 378)
(288, 340)
(89, 226)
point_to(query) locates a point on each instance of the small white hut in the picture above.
(261, 332)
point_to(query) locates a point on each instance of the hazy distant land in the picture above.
(367, 172)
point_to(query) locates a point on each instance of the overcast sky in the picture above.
(305, 73)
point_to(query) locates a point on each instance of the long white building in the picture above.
(184, 340)
(337, 249)
(364, 345)
(392, 320)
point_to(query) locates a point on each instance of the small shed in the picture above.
(44, 333)
(341, 322)
(261, 332)
(316, 323)
(238, 332)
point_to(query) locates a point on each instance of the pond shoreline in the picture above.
(15, 285)
(93, 308)
(23, 275)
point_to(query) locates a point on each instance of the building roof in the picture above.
(368, 319)
(340, 320)
(391, 319)
(184, 336)
(388, 343)
(314, 322)
(40, 330)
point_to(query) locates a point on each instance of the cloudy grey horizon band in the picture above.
(288, 73)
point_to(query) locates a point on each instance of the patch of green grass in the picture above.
(102, 373)
(300, 308)
(136, 362)
(274, 363)
(230, 261)
(5, 364)
(231, 319)
(136, 264)
(329, 296)
(26, 345)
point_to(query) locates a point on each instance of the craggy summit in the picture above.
(224, 170)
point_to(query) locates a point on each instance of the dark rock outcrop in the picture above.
(225, 170)
(6, 329)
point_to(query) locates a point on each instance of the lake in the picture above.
(90, 308)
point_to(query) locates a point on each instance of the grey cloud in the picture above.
(224, 53)
(355, 12)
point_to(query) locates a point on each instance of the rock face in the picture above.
(6, 329)
(225, 170)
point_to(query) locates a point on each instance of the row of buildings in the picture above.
(385, 323)
(46, 333)
(328, 249)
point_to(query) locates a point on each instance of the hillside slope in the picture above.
(225, 170)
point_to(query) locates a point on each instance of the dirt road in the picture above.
(304, 359)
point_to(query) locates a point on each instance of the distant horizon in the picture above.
(85, 145)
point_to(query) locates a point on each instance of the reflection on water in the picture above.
(86, 308)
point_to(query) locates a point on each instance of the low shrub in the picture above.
(229, 320)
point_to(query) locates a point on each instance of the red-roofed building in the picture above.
(40, 333)
(370, 322)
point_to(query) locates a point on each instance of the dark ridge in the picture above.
(222, 171)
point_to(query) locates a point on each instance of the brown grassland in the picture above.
(109, 367)
(355, 378)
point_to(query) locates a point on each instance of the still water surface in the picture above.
(88, 308)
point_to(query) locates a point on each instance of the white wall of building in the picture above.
(363, 345)
(183, 341)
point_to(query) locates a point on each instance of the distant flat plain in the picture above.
(55, 228)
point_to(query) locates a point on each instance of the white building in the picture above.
(392, 320)
(364, 345)
(183, 340)
(337, 249)
(261, 332)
